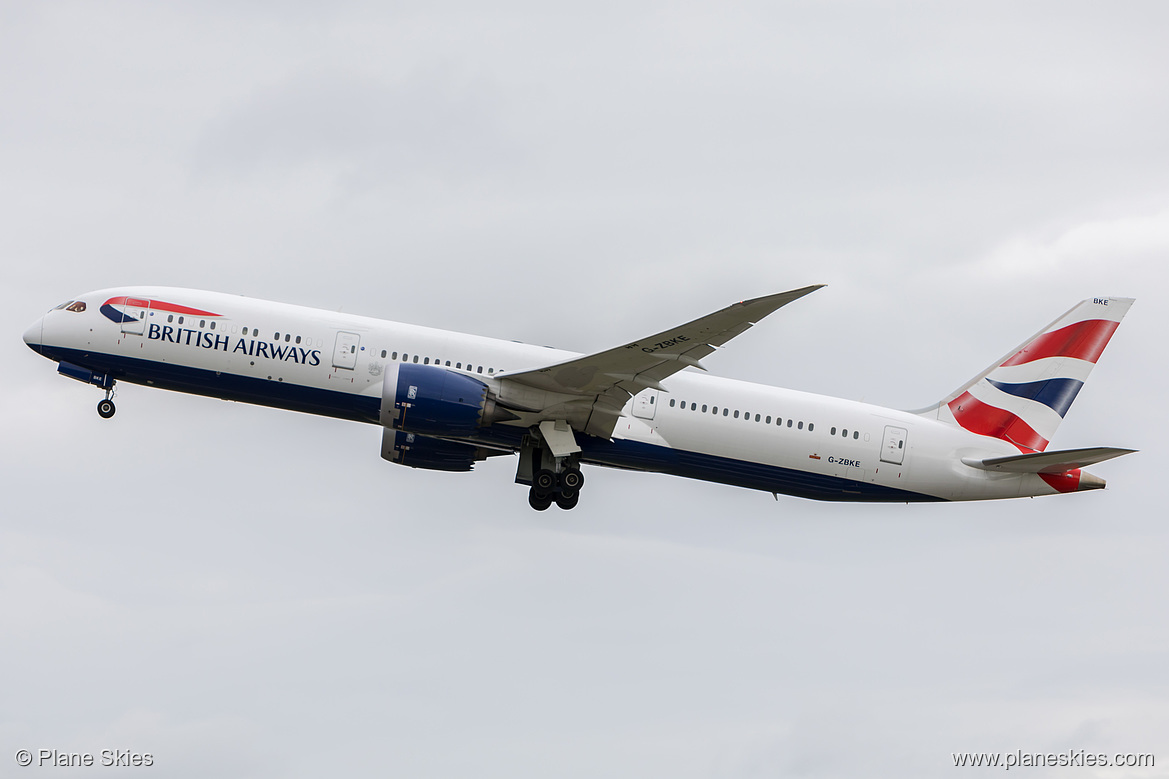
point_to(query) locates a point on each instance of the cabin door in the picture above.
(134, 316)
(893, 445)
(345, 351)
(645, 404)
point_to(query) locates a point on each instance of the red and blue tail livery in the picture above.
(1023, 398)
(445, 401)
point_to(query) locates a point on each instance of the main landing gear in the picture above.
(563, 489)
(106, 408)
(553, 479)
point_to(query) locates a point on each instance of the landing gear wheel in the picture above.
(106, 409)
(567, 500)
(538, 500)
(544, 481)
(572, 479)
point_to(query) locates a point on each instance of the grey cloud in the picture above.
(257, 592)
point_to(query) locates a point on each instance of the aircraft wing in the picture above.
(611, 377)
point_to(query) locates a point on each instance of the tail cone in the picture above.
(1090, 482)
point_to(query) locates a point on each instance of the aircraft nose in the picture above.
(32, 336)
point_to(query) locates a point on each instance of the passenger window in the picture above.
(448, 363)
(458, 365)
(789, 423)
(844, 432)
(800, 426)
(856, 434)
(245, 329)
(768, 420)
(779, 420)
(415, 358)
(394, 356)
(298, 340)
(287, 338)
(383, 354)
(832, 431)
(180, 320)
(171, 318)
(492, 370)
(651, 400)
(213, 327)
(725, 410)
(756, 417)
(736, 413)
(426, 361)
(811, 427)
(202, 323)
(276, 338)
(480, 369)
(703, 408)
(694, 406)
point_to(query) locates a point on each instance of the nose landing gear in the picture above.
(106, 407)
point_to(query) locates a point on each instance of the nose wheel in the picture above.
(106, 408)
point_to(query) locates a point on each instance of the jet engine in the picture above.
(432, 401)
(418, 451)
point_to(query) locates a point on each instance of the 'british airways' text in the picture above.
(251, 347)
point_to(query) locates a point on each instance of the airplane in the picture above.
(447, 400)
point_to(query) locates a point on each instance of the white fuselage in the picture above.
(324, 362)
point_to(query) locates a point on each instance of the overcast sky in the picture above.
(255, 593)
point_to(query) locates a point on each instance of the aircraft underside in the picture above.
(544, 474)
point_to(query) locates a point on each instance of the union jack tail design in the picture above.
(1023, 397)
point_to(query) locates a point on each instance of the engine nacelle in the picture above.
(430, 400)
(418, 451)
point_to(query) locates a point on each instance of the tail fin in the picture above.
(1023, 397)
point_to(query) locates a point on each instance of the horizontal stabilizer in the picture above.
(1048, 462)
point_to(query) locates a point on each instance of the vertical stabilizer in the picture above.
(1023, 397)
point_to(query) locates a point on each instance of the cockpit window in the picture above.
(63, 305)
(76, 306)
